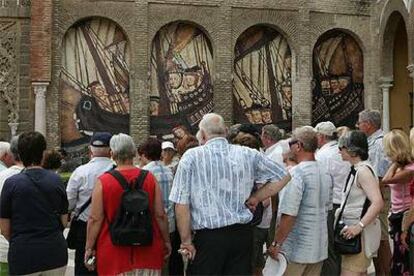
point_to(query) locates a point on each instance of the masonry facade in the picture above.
(315, 46)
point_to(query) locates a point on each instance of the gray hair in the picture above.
(4, 148)
(13, 148)
(123, 147)
(273, 132)
(99, 151)
(307, 136)
(371, 116)
(213, 125)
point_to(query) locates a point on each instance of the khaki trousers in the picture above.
(296, 269)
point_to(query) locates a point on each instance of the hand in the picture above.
(89, 253)
(251, 203)
(274, 252)
(167, 249)
(403, 238)
(352, 231)
(188, 250)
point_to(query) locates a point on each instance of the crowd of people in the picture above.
(328, 199)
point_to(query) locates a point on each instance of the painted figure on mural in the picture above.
(180, 76)
(262, 86)
(338, 77)
(94, 82)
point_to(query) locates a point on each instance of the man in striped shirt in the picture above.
(210, 189)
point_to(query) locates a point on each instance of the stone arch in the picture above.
(93, 81)
(395, 82)
(262, 77)
(338, 78)
(199, 26)
(388, 31)
(181, 78)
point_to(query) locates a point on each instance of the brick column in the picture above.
(40, 57)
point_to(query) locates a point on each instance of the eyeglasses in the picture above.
(292, 142)
(341, 148)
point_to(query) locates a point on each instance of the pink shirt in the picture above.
(400, 194)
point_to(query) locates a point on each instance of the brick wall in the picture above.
(40, 40)
(301, 21)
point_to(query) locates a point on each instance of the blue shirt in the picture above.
(307, 197)
(37, 242)
(377, 157)
(164, 177)
(216, 179)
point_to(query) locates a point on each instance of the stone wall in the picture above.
(15, 66)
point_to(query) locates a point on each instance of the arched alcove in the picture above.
(395, 62)
(180, 84)
(94, 82)
(338, 74)
(262, 78)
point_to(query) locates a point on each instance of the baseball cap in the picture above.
(167, 145)
(101, 139)
(325, 128)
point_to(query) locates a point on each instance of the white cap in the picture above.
(167, 145)
(325, 128)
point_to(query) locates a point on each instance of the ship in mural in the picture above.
(262, 85)
(338, 90)
(94, 83)
(181, 89)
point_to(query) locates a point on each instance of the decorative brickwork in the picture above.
(301, 22)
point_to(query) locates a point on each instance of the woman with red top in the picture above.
(125, 260)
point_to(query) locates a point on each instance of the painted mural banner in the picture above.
(338, 89)
(94, 83)
(180, 84)
(262, 83)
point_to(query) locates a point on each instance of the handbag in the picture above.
(341, 244)
(258, 213)
(77, 229)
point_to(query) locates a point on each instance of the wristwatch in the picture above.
(276, 244)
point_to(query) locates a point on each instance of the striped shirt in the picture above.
(216, 179)
(376, 153)
(164, 177)
(306, 197)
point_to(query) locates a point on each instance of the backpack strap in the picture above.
(121, 179)
(140, 180)
(123, 182)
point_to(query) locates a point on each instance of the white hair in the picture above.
(213, 125)
(123, 147)
(99, 151)
(4, 148)
(199, 137)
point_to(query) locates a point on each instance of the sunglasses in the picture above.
(341, 148)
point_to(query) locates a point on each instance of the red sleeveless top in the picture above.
(112, 259)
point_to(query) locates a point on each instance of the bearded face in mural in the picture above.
(94, 82)
(262, 87)
(338, 75)
(180, 77)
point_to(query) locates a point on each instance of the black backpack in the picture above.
(132, 224)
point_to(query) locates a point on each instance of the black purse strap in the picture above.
(351, 173)
(123, 182)
(83, 207)
(86, 204)
(367, 202)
